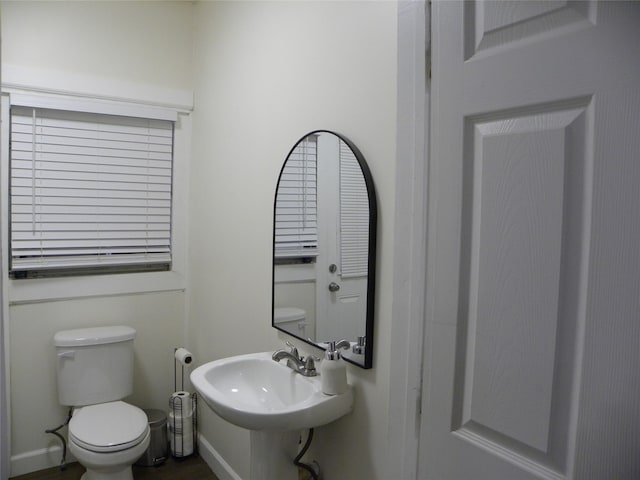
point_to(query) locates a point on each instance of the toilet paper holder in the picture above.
(183, 420)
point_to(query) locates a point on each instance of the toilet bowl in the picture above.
(108, 438)
(95, 372)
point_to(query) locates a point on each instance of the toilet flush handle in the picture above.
(67, 354)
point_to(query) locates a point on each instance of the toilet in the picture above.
(291, 319)
(95, 372)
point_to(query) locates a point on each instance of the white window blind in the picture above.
(354, 216)
(296, 230)
(89, 191)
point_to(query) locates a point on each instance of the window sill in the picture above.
(68, 288)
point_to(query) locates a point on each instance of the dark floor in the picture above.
(189, 468)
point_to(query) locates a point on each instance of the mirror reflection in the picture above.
(324, 245)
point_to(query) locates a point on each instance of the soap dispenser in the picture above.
(333, 371)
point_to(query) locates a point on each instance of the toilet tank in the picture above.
(94, 365)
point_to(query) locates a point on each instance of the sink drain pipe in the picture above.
(54, 431)
(309, 468)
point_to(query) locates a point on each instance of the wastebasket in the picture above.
(157, 450)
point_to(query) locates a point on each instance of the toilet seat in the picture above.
(108, 427)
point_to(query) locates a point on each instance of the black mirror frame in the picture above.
(371, 262)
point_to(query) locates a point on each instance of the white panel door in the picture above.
(532, 364)
(343, 307)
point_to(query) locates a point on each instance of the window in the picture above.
(89, 193)
(296, 229)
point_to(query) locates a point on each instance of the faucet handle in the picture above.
(360, 346)
(294, 350)
(333, 346)
(310, 366)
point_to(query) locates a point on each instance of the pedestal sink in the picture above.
(273, 402)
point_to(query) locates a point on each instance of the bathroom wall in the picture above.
(266, 73)
(120, 49)
(134, 41)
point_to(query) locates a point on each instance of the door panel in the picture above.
(516, 282)
(491, 24)
(534, 266)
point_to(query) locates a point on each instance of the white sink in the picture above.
(255, 392)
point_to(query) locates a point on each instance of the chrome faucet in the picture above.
(305, 367)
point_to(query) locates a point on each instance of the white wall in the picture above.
(132, 41)
(4, 392)
(123, 48)
(267, 73)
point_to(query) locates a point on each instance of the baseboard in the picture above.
(215, 461)
(37, 460)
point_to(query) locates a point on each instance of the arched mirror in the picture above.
(324, 246)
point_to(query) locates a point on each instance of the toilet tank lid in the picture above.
(93, 336)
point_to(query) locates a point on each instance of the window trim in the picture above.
(59, 288)
(88, 105)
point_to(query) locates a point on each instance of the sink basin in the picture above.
(255, 392)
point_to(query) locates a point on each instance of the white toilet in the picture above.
(291, 319)
(95, 371)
